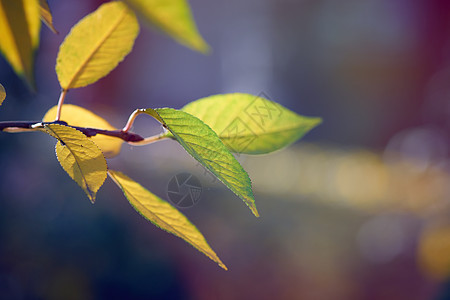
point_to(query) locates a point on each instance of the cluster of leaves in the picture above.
(209, 129)
(20, 27)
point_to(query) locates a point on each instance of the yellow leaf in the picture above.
(46, 15)
(2, 94)
(162, 214)
(174, 17)
(19, 31)
(34, 23)
(81, 117)
(96, 45)
(80, 158)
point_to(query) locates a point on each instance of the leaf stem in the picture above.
(131, 119)
(60, 104)
(149, 140)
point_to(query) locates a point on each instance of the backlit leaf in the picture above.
(2, 94)
(19, 35)
(96, 45)
(46, 15)
(162, 214)
(200, 141)
(81, 117)
(80, 158)
(174, 17)
(251, 124)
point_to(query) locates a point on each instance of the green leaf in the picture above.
(174, 17)
(2, 94)
(96, 45)
(19, 35)
(80, 158)
(81, 117)
(202, 143)
(162, 214)
(251, 124)
(46, 15)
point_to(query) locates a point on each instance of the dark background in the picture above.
(356, 210)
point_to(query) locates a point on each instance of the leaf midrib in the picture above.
(220, 175)
(267, 132)
(76, 161)
(97, 47)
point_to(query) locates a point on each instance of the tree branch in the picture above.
(22, 126)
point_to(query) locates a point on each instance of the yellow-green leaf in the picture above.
(80, 158)
(19, 35)
(81, 117)
(174, 17)
(162, 214)
(251, 124)
(203, 144)
(46, 15)
(2, 94)
(34, 23)
(96, 45)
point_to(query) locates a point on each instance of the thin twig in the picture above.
(14, 127)
(131, 119)
(17, 124)
(124, 134)
(60, 104)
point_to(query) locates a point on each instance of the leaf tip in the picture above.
(250, 201)
(317, 121)
(252, 206)
(52, 28)
(92, 197)
(90, 193)
(203, 48)
(222, 265)
(313, 122)
(254, 211)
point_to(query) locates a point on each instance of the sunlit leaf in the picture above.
(163, 215)
(2, 94)
(434, 251)
(251, 124)
(80, 158)
(46, 15)
(96, 45)
(81, 117)
(200, 141)
(174, 17)
(19, 35)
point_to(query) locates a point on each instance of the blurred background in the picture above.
(358, 209)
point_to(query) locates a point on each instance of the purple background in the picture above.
(376, 71)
